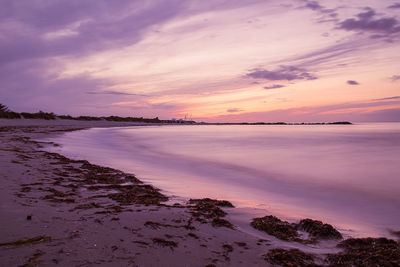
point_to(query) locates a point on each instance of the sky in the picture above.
(214, 61)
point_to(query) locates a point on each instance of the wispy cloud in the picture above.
(395, 5)
(395, 78)
(332, 53)
(313, 5)
(274, 86)
(233, 110)
(288, 73)
(108, 92)
(351, 82)
(316, 6)
(93, 25)
(387, 98)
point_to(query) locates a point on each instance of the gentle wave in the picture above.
(347, 175)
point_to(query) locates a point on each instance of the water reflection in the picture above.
(347, 175)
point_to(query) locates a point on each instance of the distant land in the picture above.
(6, 113)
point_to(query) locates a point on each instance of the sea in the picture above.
(345, 175)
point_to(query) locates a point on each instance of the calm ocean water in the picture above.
(347, 175)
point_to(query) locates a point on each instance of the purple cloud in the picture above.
(326, 56)
(109, 92)
(233, 110)
(351, 82)
(288, 73)
(328, 15)
(365, 22)
(274, 86)
(395, 78)
(38, 29)
(34, 33)
(396, 5)
(387, 98)
(313, 5)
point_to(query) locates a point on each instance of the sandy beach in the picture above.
(58, 211)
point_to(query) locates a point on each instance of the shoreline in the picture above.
(54, 208)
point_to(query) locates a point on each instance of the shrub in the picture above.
(39, 115)
(8, 114)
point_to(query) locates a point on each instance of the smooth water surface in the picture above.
(346, 175)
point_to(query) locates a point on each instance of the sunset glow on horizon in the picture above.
(216, 61)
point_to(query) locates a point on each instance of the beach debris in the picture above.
(35, 260)
(104, 175)
(289, 258)
(122, 187)
(153, 225)
(58, 196)
(74, 234)
(208, 210)
(25, 189)
(318, 230)
(193, 235)
(366, 252)
(288, 232)
(165, 243)
(218, 222)
(228, 248)
(188, 225)
(91, 205)
(209, 201)
(241, 244)
(138, 194)
(158, 225)
(276, 227)
(140, 242)
(28, 241)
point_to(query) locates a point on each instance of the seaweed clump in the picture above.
(206, 209)
(138, 194)
(276, 227)
(211, 202)
(288, 232)
(318, 229)
(218, 222)
(165, 243)
(28, 241)
(289, 258)
(366, 252)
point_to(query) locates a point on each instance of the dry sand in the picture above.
(56, 211)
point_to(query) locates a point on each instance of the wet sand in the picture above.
(58, 211)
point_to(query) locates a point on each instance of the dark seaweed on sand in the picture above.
(366, 252)
(207, 209)
(289, 258)
(276, 227)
